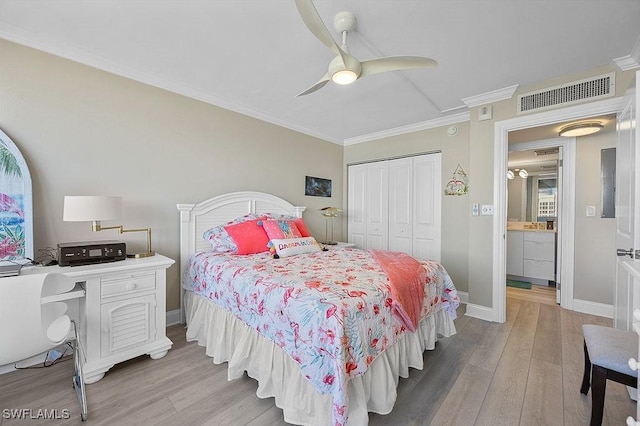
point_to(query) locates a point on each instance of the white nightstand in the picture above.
(123, 313)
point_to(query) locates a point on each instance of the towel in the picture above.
(406, 281)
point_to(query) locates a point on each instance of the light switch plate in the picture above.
(475, 210)
(487, 210)
(591, 211)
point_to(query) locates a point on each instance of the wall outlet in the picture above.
(487, 210)
(475, 210)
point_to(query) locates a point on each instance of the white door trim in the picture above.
(501, 131)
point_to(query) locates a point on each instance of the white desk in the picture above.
(121, 310)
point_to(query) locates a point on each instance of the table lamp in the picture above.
(94, 208)
(330, 213)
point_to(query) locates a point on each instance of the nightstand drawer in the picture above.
(128, 284)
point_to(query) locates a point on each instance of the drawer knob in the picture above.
(131, 286)
(633, 364)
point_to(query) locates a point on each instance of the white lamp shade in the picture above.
(87, 208)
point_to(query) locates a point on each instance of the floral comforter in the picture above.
(330, 311)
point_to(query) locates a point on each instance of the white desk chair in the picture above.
(33, 320)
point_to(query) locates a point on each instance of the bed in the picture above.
(319, 330)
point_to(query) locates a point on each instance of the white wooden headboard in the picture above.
(195, 219)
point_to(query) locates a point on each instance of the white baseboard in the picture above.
(583, 306)
(173, 317)
(480, 312)
(464, 297)
(593, 308)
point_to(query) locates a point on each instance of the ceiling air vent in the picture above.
(589, 89)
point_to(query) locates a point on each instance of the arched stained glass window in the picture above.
(16, 208)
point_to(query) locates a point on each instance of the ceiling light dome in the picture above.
(580, 129)
(510, 174)
(344, 77)
(523, 173)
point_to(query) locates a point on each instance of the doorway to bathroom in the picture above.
(535, 213)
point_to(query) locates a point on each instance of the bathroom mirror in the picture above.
(532, 192)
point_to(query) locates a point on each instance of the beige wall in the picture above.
(88, 132)
(481, 169)
(470, 239)
(455, 209)
(595, 260)
(84, 131)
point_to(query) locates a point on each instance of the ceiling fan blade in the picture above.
(312, 20)
(319, 85)
(395, 63)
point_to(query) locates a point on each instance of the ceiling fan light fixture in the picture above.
(344, 77)
(580, 129)
(510, 174)
(523, 173)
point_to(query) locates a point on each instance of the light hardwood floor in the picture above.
(526, 371)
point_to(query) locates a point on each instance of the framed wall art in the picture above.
(317, 187)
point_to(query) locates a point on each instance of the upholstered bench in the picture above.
(606, 356)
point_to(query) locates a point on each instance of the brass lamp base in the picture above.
(141, 255)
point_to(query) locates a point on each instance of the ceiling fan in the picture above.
(345, 68)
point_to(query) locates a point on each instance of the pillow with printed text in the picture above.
(292, 246)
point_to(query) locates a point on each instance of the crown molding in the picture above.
(410, 128)
(631, 61)
(489, 97)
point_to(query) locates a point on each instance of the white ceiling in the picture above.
(254, 56)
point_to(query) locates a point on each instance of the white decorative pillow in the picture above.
(292, 246)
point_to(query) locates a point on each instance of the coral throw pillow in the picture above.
(302, 227)
(249, 236)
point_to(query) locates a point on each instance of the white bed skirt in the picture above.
(228, 339)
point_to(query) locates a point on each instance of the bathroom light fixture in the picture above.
(510, 174)
(523, 173)
(580, 129)
(94, 208)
